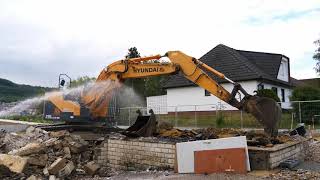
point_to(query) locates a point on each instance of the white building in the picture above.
(253, 70)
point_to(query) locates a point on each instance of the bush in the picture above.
(268, 93)
(220, 120)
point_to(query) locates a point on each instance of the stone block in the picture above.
(66, 170)
(38, 159)
(14, 163)
(171, 161)
(91, 168)
(57, 165)
(52, 177)
(165, 150)
(31, 148)
(33, 177)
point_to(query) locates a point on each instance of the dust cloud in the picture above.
(124, 96)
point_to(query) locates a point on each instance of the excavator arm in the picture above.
(190, 67)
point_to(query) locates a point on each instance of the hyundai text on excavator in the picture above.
(94, 101)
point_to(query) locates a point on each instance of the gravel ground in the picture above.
(171, 176)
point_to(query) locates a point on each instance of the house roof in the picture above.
(315, 82)
(237, 65)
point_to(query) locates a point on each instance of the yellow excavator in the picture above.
(94, 101)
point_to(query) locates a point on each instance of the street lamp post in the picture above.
(62, 81)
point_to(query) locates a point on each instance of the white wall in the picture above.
(287, 92)
(158, 104)
(186, 97)
(283, 73)
(194, 99)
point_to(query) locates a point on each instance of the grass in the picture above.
(29, 118)
(224, 120)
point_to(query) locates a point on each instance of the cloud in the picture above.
(40, 39)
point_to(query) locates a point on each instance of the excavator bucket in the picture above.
(266, 111)
(144, 126)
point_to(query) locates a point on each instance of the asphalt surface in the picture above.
(12, 127)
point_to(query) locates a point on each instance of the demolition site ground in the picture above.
(35, 153)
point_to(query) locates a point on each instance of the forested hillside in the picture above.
(10, 92)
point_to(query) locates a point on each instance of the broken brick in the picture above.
(57, 165)
(38, 160)
(91, 168)
(66, 170)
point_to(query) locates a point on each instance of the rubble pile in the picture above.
(314, 152)
(41, 154)
(253, 138)
(297, 174)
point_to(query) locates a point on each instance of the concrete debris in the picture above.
(57, 165)
(253, 138)
(52, 177)
(31, 148)
(297, 174)
(15, 163)
(38, 154)
(46, 172)
(91, 167)
(67, 152)
(314, 152)
(33, 177)
(66, 170)
(38, 160)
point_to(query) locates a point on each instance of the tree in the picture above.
(153, 85)
(149, 86)
(82, 81)
(138, 84)
(316, 56)
(133, 53)
(268, 93)
(307, 109)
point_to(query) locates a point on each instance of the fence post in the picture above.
(129, 116)
(216, 115)
(241, 118)
(195, 115)
(292, 114)
(176, 116)
(299, 112)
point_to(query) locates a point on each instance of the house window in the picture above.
(283, 99)
(260, 86)
(275, 90)
(206, 93)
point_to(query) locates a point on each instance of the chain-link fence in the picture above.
(216, 115)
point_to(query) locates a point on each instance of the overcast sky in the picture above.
(40, 39)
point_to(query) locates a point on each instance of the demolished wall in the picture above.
(129, 154)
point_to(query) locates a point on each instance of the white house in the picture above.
(253, 70)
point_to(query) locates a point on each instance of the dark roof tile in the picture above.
(237, 65)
